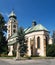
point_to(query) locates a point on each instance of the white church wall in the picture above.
(37, 34)
(29, 49)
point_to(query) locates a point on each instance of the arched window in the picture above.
(14, 26)
(14, 31)
(38, 42)
(14, 21)
(46, 41)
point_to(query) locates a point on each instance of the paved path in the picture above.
(27, 62)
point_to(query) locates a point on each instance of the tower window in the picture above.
(14, 31)
(14, 21)
(14, 26)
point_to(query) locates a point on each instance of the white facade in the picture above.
(42, 50)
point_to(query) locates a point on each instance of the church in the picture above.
(37, 37)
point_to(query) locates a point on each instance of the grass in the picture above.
(26, 58)
(7, 57)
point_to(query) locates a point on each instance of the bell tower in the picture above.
(12, 25)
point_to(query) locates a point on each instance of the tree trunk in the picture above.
(17, 52)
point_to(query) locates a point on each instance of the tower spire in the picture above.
(12, 14)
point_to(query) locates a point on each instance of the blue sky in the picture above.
(43, 11)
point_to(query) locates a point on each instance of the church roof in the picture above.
(12, 14)
(14, 40)
(37, 27)
(13, 36)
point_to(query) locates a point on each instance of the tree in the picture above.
(21, 42)
(3, 41)
(53, 36)
(51, 50)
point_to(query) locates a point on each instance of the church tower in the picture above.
(12, 25)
